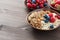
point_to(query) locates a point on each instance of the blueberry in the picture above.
(46, 21)
(45, 4)
(51, 26)
(33, 1)
(38, 7)
(47, 17)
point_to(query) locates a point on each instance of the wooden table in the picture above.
(13, 24)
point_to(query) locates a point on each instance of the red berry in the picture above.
(42, 2)
(57, 1)
(34, 6)
(37, 1)
(41, 5)
(56, 5)
(37, 4)
(50, 14)
(29, 5)
(29, 1)
(52, 19)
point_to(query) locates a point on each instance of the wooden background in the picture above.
(13, 24)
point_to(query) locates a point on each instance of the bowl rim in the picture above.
(39, 10)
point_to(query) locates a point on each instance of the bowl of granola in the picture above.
(44, 19)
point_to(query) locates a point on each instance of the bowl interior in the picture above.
(39, 10)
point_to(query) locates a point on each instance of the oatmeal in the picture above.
(44, 20)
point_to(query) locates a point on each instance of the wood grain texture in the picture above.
(13, 25)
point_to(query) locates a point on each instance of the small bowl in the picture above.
(37, 11)
(33, 8)
(49, 2)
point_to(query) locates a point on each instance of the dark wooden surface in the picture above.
(13, 25)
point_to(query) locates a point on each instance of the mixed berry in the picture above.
(51, 17)
(36, 4)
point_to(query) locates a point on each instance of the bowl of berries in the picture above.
(44, 19)
(35, 4)
(55, 4)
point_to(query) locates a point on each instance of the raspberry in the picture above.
(37, 1)
(57, 1)
(52, 19)
(41, 5)
(34, 6)
(50, 14)
(29, 5)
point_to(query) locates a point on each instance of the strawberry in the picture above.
(29, 5)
